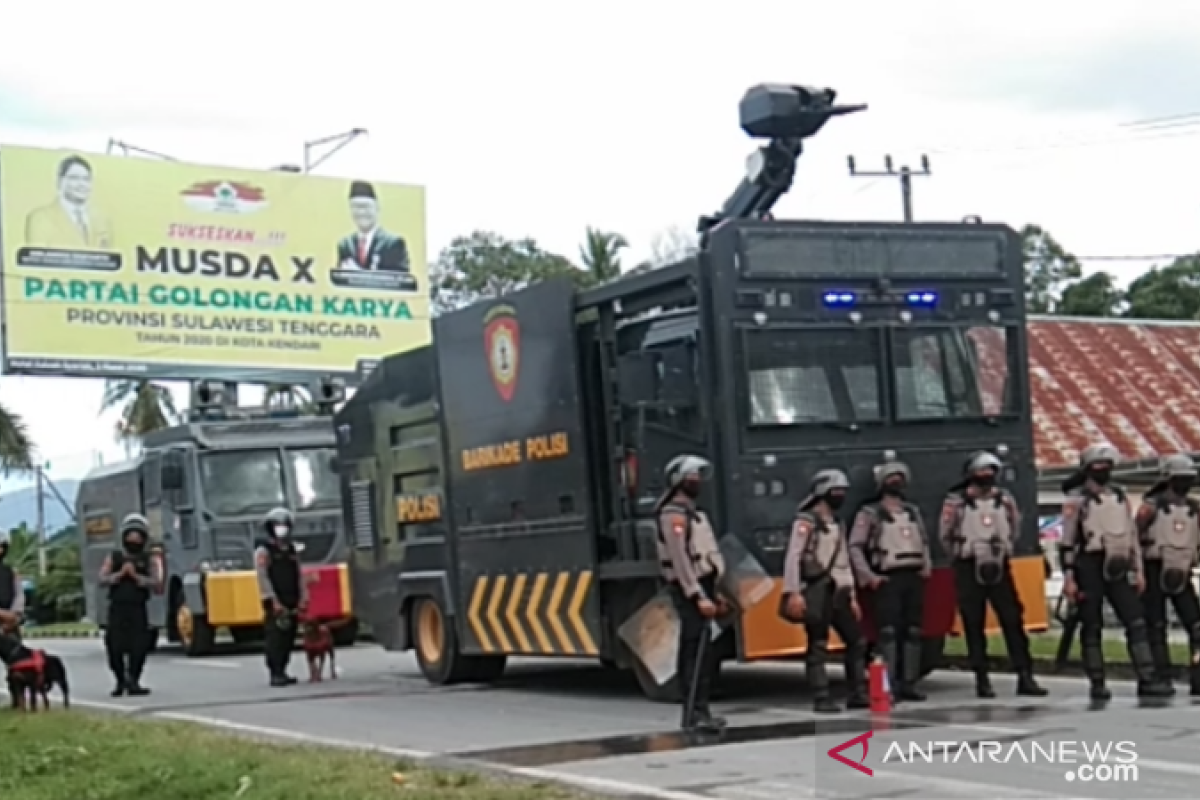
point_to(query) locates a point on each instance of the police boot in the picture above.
(1150, 684)
(912, 669)
(856, 677)
(136, 689)
(1160, 652)
(1027, 686)
(818, 677)
(888, 652)
(1093, 667)
(983, 686)
(119, 690)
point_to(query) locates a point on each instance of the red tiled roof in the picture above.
(1134, 385)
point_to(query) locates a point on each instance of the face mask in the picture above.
(690, 488)
(835, 501)
(1179, 486)
(134, 545)
(984, 481)
(894, 488)
(280, 531)
(1100, 476)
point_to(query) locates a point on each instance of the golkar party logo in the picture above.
(502, 340)
(225, 197)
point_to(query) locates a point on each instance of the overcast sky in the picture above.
(538, 118)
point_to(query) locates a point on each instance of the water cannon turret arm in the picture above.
(786, 116)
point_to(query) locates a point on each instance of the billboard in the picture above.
(129, 267)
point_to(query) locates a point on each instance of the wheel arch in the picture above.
(433, 584)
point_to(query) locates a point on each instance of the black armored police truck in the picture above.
(499, 484)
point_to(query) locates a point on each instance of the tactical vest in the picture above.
(126, 591)
(985, 536)
(7, 590)
(283, 570)
(898, 544)
(698, 529)
(1173, 538)
(1108, 530)
(826, 554)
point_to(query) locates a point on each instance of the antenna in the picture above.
(126, 149)
(335, 143)
(905, 174)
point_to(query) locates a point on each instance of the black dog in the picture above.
(32, 674)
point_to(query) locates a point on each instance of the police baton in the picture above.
(689, 710)
(1067, 613)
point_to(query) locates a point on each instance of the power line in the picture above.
(1151, 257)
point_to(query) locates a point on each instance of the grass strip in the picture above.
(73, 755)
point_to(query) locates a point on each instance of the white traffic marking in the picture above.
(206, 662)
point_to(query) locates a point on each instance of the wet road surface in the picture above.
(581, 722)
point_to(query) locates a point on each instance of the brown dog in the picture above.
(319, 650)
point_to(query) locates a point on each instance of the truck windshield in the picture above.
(813, 376)
(242, 482)
(951, 372)
(316, 483)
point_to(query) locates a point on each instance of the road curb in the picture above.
(34, 633)
(1115, 670)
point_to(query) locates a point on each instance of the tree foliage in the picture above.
(16, 445)
(1170, 292)
(1049, 268)
(145, 407)
(485, 264)
(1097, 295)
(600, 254)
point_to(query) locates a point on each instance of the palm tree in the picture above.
(23, 550)
(16, 446)
(145, 407)
(601, 254)
(287, 395)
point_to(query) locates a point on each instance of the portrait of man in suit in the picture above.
(370, 247)
(69, 222)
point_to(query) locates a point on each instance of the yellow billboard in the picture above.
(142, 268)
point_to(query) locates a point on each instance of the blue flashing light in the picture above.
(839, 298)
(922, 298)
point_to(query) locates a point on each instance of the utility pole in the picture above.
(905, 174)
(41, 519)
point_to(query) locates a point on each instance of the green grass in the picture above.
(1044, 647)
(58, 629)
(71, 755)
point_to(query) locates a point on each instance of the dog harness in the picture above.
(35, 663)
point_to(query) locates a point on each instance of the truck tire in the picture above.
(347, 635)
(195, 634)
(438, 654)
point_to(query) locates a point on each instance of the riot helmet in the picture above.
(686, 473)
(1096, 462)
(892, 478)
(982, 469)
(1178, 472)
(278, 523)
(828, 486)
(135, 531)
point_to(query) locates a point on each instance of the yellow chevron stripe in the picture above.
(513, 618)
(531, 613)
(476, 622)
(576, 613)
(556, 598)
(493, 614)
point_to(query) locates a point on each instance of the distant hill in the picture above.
(21, 506)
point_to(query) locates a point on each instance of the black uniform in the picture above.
(127, 633)
(1169, 528)
(281, 582)
(978, 526)
(1100, 553)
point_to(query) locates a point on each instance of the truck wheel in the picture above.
(932, 654)
(195, 634)
(666, 693)
(347, 635)
(437, 645)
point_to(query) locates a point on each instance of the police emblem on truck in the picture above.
(502, 341)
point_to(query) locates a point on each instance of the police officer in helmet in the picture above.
(1100, 553)
(12, 592)
(131, 575)
(1168, 524)
(691, 565)
(889, 549)
(284, 593)
(979, 523)
(818, 589)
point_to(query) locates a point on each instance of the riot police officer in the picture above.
(889, 549)
(131, 575)
(691, 565)
(979, 524)
(818, 589)
(1169, 530)
(1100, 553)
(283, 590)
(12, 593)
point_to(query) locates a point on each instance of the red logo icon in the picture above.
(865, 740)
(502, 340)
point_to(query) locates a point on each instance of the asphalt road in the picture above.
(590, 726)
